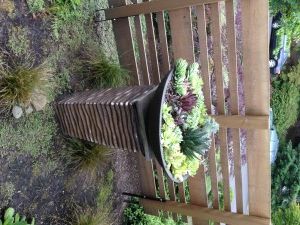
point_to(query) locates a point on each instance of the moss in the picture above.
(7, 6)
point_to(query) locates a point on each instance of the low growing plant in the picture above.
(10, 218)
(100, 72)
(86, 157)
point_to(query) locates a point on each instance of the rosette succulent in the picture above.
(186, 128)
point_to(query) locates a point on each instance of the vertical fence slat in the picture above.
(215, 26)
(123, 36)
(172, 196)
(163, 43)
(201, 22)
(183, 47)
(152, 47)
(234, 101)
(147, 181)
(257, 95)
(142, 52)
(161, 184)
(198, 195)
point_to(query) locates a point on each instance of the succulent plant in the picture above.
(180, 77)
(188, 101)
(195, 142)
(10, 219)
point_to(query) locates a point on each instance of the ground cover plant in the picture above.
(10, 218)
(289, 216)
(186, 128)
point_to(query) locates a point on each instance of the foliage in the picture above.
(134, 214)
(32, 134)
(289, 216)
(7, 6)
(19, 40)
(286, 95)
(86, 157)
(62, 81)
(291, 16)
(19, 83)
(186, 127)
(102, 215)
(35, 5)
(285, 176)
(195, 142)
(10, 219)
(99, 71)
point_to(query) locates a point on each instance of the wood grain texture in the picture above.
(216, 34)
(163, 43)
(247, 122)
(257, 95)
(198, 194)
(161, 184)
(150, 7)
(206, 213)
(172, 196)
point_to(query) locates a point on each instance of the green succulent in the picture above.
(10, 219)
(180, 71)
(195, 142)
(194, 78)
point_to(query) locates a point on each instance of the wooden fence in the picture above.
(230, 41)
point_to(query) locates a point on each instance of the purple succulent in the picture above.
(188, 101)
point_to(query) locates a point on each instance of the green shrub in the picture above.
(86, 157)
(100, 72)
(9, 218)
(285, 176)
(289, 216)
(291, 16)
(285, 100)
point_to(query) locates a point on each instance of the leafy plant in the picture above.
(289, 216)
(35, 5)
(10, 219)
(285, 177)
(286, 95)
(99, 71)
(19, 40)
(86, 157)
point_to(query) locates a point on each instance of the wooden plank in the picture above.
(161, 184)
(163, 43)
(198, 195)
(201, 22)
(123, 36)
(172, 196)
(248, 122)
(147, 182)
(141, 47)
(151, 7)
(215, 29)
(183, 47)
(200, 212)
(257, 95)
(152, 48)
(234, 101)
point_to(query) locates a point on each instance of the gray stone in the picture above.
(17, 112)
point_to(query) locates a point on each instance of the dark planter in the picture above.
(154, 123)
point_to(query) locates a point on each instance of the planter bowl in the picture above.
(154, 123)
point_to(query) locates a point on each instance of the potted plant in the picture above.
(179, 129)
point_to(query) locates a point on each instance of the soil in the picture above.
(50, 196)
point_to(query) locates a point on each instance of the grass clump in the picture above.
(285, 100)
(86, 157)
(102, 214)
(101, 72)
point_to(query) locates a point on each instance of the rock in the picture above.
(38, 101)
(17, 112)
(29, 110)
